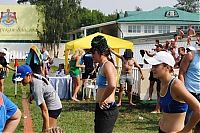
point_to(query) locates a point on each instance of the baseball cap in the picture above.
(197, 46)
(22, 71)
(161, 57)
(190, 48)
(3, 51)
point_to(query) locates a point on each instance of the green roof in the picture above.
(158, 16)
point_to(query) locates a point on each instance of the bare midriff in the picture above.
(172, 122)
(100, 93)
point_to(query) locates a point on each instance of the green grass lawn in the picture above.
(79, 117)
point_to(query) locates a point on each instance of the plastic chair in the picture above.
(89, 87)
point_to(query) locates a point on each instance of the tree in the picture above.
(188, 5)
(59, 17)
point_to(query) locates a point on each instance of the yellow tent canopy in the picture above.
(85, 43)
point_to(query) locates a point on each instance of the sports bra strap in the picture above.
(170, 84)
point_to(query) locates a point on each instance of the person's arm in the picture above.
(139, 68)
(12, 123)
(116, 54)
(78, 62)
(9, 67)
(149, 54)
(110, 73)
(45, 116)
(182, 94)
(184, 65)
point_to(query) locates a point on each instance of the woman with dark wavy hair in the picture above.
(106, 111)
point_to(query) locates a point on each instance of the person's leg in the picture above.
(151, 89)
(1, 85)
(157, 108)
(152, 81)
(121, 90)
(53, 115)
(105, 119)
(77, 85)
(129, 89)
(52, 122)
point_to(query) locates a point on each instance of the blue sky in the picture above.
(110, 6)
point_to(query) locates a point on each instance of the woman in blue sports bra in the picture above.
(174, 98)
(106, 111)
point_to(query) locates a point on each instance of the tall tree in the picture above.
(188, 5)
(59, 17)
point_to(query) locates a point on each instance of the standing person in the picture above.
(190, 33)
(181, 53)
(174, 97)
(189, 73)
(10, 115)
(3, 67)
(179, 35)
(35, 60)
(106, 111)
(128, 63)
(44, 94)
(152, 80)
(75, 72)
(90, 68)
(46, 58)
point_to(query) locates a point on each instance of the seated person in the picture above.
(60, 71)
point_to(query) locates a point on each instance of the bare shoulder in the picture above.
(178, 87)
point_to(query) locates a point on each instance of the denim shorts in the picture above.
(126, 78)
(105, 118)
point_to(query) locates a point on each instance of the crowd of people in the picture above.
(177, 96)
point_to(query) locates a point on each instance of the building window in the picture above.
(163, 29)
(149, 29)
(130, 29)
(134, 29)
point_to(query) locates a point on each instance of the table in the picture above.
(62, 85)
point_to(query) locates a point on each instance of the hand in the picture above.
(142, 77)
(103, 105)
(30, 99)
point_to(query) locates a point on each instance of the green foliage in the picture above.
(188, 5)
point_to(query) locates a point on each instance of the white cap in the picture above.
(3, 51)
(161, 57)
(197, 46)
(191, 48)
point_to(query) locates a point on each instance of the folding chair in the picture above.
(89, 87)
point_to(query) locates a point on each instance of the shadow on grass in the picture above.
(89, 105)
(82, 106)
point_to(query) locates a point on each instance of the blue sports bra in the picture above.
(101, 79)
(169, 105)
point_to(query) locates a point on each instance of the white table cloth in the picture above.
(63, 86)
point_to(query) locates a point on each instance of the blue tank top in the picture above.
(192, 76)
(101, 80)
(169, 105)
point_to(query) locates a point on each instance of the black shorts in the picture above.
(2, 74)
(151, 78)
(54, 113)
(105, 118)
(87, 74)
